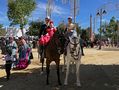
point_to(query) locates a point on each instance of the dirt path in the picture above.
(99, 71)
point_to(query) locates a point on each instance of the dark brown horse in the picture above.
(53, 51)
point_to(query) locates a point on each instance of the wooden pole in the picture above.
(94, 25)
(90, 26)
(74, 11)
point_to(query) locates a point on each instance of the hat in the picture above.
(47, 17)
(69, 17)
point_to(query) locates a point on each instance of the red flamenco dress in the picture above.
(50, 32)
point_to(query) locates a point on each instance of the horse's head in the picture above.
(74, 41)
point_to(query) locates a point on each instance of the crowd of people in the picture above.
(17, 53)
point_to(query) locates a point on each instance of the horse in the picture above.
(74, 56)
(53, 51)
(41, 52)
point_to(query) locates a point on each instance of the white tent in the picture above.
(16, 32)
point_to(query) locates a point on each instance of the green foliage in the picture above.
(35, 27)
(62, 26)
(111, 28)
(97, 36)
(1, 26)
(2, 30)
(85, 33)
(19, 11)
(112, 24)
(78, 29)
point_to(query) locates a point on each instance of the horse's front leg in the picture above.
(77, 73)
(64, 66)
(48, 71)
(72, 68)
(38, 51)
(67, 73)
(58, 72)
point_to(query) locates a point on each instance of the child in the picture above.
(9, 59)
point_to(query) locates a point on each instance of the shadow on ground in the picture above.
(93, 77)
(110, 49)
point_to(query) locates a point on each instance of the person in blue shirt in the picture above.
(12, 44)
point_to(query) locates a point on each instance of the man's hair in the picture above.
(20, 38)
(11, 38)
(70, 17)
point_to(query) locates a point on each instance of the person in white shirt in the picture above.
(8, 59)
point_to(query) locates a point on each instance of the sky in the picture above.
(62, 11)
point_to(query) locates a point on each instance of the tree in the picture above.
(61, 27)
(1, 25)
(78, 28)
(2, 30)
(85, 33)
(35, 27)
(19, 11)
(111, 29)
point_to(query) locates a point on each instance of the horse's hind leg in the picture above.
(77, 73)
(42, 65)
(48, 71)
(58, 72)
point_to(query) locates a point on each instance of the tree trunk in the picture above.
(21, 27)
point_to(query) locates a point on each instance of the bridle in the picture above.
(77, 51)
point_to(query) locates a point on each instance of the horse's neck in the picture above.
(52, 44)
(68, 48)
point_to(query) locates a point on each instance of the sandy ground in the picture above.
(99, 71)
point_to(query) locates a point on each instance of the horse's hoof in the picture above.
(63, 71)
(65, 84)
(78, 84)
(41, 73)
